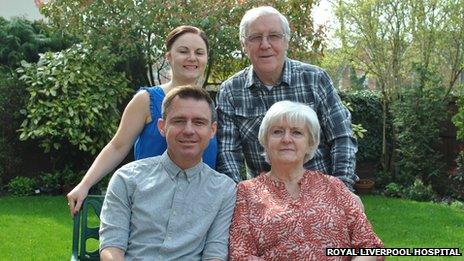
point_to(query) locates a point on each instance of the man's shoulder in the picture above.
(237, 78)
(299, 66)
(139, 167)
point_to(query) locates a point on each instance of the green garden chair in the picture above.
(81, 230)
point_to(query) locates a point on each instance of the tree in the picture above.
(135, 31)
(403, 44)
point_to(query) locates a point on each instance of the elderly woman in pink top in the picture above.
(291, 213)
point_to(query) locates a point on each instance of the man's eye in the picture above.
(255, 38)
(275, 37)
(200, 123)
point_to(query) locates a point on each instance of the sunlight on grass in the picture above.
(404, 223)
(40, 228)
(35, 228)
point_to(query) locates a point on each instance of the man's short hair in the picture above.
(292, 112)
(184, 92)
(254, 13)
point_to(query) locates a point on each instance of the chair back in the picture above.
(81, 230)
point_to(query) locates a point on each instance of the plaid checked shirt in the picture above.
(243, 100)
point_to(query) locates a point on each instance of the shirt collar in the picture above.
(173, 170)
(253, 80)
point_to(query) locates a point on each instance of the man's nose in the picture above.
(265, 43)
(188, 129)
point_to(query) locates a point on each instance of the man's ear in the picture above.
(214, 129)
(244, 48)
(161, 126)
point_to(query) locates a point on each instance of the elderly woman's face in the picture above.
(287, 143)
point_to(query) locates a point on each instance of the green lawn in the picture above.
(39, 228)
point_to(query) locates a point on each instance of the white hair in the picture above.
(254, 13)
(292, 112)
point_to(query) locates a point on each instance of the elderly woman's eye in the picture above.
(277, 131)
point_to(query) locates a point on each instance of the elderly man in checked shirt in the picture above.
(244, 99)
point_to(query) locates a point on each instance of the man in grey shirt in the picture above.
(173, 206)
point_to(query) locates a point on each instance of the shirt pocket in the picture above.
(248, 121)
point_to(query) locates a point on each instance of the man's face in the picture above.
(267, 55)
(188, 129)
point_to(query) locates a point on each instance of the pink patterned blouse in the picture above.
(268, 224)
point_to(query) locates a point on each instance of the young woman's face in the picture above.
(188, 57)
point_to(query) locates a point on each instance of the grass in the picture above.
(35, 228)
(40, 228)
(411, 224)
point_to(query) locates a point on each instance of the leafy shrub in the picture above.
(382, 179)
(456, 177)
(367, 111)
(50, 183)
(419, 192)
(457, 204)
(20, 39)
(21, 186)
(59, 181)
(418, 116)
(393, 190)
(74, 97)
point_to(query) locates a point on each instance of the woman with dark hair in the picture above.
(291, 213)
(187, 54)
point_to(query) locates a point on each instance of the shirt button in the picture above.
(174, 213)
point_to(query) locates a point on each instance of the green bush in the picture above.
(456, 177)
(457, 204)
(393, 190)
(21, 186)
(12, 100)
(58, 181)
(20, 40)
(382, 179)
(418, 116)
(419, 192)
(74, 98)
(367, 111)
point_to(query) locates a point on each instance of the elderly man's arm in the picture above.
(229, 158)
(217, 239)
(336, 125)
(115, 215)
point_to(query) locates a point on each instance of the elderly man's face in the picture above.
(266, 55)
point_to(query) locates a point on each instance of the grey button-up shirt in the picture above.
(154, 210)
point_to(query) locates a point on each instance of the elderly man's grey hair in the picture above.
(292, 112)
(254, 13)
